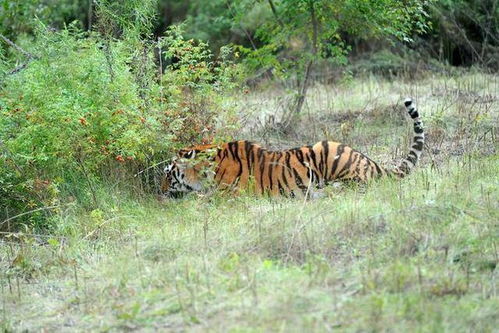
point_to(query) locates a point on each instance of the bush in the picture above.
(92, 105)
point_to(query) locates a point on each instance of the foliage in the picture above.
(92, 103)
(314, 29)
(131, 18)
(465, 32)
(210, 20)
(17, 17)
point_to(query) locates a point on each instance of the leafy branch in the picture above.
(19, 49)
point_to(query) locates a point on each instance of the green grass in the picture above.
(419, 254)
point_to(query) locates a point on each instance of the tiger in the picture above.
(301, 171)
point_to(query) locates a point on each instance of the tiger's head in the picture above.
(186, 173)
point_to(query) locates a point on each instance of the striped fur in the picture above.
(292, 172)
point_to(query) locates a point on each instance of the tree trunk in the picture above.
(300, 99)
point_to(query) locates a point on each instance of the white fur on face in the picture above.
(168, 168)
(178, 181)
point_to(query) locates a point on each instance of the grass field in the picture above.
(419, 254)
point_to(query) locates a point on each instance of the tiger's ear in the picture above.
(190, 154)
(187, 154)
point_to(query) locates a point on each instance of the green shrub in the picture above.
(91, 106)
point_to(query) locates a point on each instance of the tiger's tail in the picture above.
(410, 161)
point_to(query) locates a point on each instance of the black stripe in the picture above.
(283, 176)
(271, 170)
(418, 145)
(223, 157)
(412, 157)
(325, 146)
(252, 161)
(346, 168)
(315, 177)
(288, 163)
(368, 166)
(357, 158)
(339, 152)
(347, 164)
(303, 161)
(378, 169)
(247, 149)
(299, 157)
(229, 148)
(357, 167)
(284, 179)
(321, 163)
(404, 167)
(379, 172)
(223, 173)
(174, 176)
(281, 189)
(414, 114)
(234, 147)
(299, 181)
(236, 152)
(261, 160)
(313, 157)
(418, 129)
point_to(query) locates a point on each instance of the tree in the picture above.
(302, 32)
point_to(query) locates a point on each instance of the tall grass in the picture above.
(417, 254)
